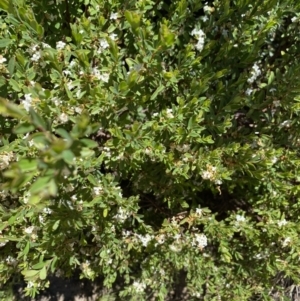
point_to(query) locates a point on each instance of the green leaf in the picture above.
(37, 120)
(38, 266)
(167, 37)
(43, 273)
(30, 273)
(11, 65)
(68, 156)
(55, 225)
(27, 247)
(14, 84)
(89, 143)
(5, 42)
(23, 128)
(157, 91)
(105, 211)
(10, 109)
(27, 165)
(39, 185)
(133, 19)
(92, 180)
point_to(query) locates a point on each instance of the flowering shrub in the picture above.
(146, 139)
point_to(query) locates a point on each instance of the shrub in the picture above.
(144, 139)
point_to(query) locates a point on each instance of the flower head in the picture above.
(2, 59)
(60, 45)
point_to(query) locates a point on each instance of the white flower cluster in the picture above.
(122, 215)
(255, 73)
(10, 260)
(144, 239)
(211, 174)
(282, 223)
(169, 113)
(199, 212)
(103, 45)
(35, 53)
(200, 241)
(2, 59)
(60, 45)
(240, 218)
(27, 102)
(5, 158)
(287, 241)
(199, 35)
(139, 286)
(98, 190)
(101, 76)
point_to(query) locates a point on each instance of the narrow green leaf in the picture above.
(156, 92)
(27, 247)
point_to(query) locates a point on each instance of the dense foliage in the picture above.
(143, 140)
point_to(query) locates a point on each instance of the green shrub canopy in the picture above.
(145, 139)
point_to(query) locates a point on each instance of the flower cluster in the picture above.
(5, 159)
(255, 73)
(200, 241)
(199, 35)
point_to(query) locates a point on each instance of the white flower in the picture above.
(122, 215)
(199, 211)
(36, 56)
(286, 123)
(30, 284)
(276, 103)
(3, 243)
(145, 239)
(286, 242)
(113, 36)
(67, 72)
(60, 45)
(170, 113)
(161, 239)
(225, 33)
(63, 117)
(104, 77)
(154, 114)
(204, 18)
(282, 223)
(41, 219)
(45, 45)
(198, 33)
(47, 210)
(249, 91)
(139, 286)
(2, 59)
(103, 44)
(10, 260)
(27, 102)
(256, 72)
(98, 190)
(200, 240)
(73, 64)
(113, 16)
(294, 19)
(78, 110)
(274, 160)
(240, 218)
(29, 230)
(174, 248)
(33, 48)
